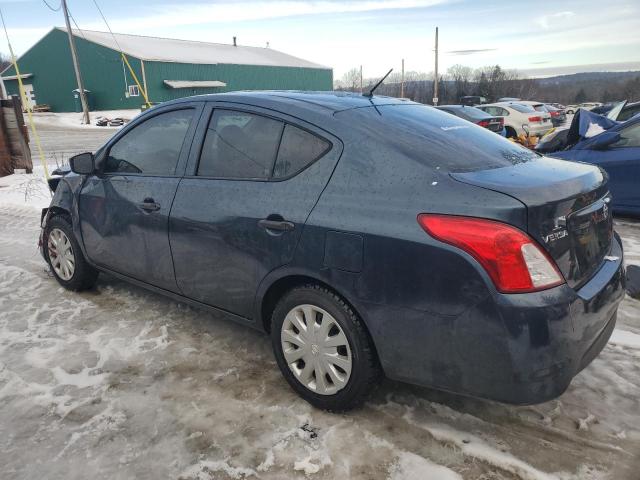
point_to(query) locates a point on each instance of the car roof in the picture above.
(527, 102)
(322, 102)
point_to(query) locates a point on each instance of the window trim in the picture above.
(124, 133)
(243, 109)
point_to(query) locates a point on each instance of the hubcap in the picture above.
(316, 349)
(61, 255)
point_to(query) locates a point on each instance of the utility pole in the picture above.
(402, 81)
(361, 79)
(435, 76)
(76, 67)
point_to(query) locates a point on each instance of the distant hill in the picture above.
(588, 77)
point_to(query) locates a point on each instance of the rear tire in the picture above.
(64, 256)
(312, 323)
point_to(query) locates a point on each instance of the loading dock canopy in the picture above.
(23, 76)
(194, 83)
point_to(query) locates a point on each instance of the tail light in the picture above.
(513, 260)
(535, 119)
(483, 123)
(554, 114)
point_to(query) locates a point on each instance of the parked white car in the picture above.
(520, 117)
(590, 105)
(571, 109)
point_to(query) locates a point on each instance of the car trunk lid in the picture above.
(568, 210)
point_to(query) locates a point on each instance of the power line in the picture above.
(124, 57)
(51, 8)
(95, 2)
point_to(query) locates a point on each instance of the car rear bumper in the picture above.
(517, 348)
(539, 129)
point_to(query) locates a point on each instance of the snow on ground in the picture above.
(120, 383)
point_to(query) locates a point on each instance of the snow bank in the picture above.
(74, 120)
(25, 189)
(624, 338)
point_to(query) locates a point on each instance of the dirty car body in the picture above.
(361, 219)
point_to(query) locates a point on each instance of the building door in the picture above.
(30, 96)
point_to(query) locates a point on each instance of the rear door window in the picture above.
(240, 145)
(152, 147)
(298, 149)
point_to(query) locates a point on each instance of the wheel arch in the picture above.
(272, 290)
(273, 287)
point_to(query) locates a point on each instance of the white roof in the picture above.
(189, 51)
(194, 83)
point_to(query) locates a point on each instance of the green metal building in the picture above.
(166, 68)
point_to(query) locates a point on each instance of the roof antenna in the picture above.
(370, 92)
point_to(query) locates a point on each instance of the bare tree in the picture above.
(5, 61)
(460, 75)
(351, 80)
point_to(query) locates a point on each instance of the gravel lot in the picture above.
(120, 383)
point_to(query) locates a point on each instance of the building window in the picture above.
(134, 91)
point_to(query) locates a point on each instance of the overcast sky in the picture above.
(374, 33)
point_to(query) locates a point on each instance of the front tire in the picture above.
(64, 256)
(323, 349)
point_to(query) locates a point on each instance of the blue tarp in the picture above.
(589, 120)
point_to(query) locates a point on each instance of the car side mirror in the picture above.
(603, 140)
(82, 164)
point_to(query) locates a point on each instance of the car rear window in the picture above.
(436, 139)
(474, 112)
(522, 108)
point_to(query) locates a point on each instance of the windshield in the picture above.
(435, 138)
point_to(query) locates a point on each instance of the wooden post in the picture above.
(402, 81)
(6, 164)
(435, 77)
(17, 134)
(76, 66)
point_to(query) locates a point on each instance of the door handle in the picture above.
(149, 205)
(278, 225)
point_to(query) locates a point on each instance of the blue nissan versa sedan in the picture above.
(367, 235)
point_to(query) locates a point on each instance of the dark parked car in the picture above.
(471, 100)
(558, 116)
(367, 235)
(616, 149)
(623, 113)
(475, 115)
